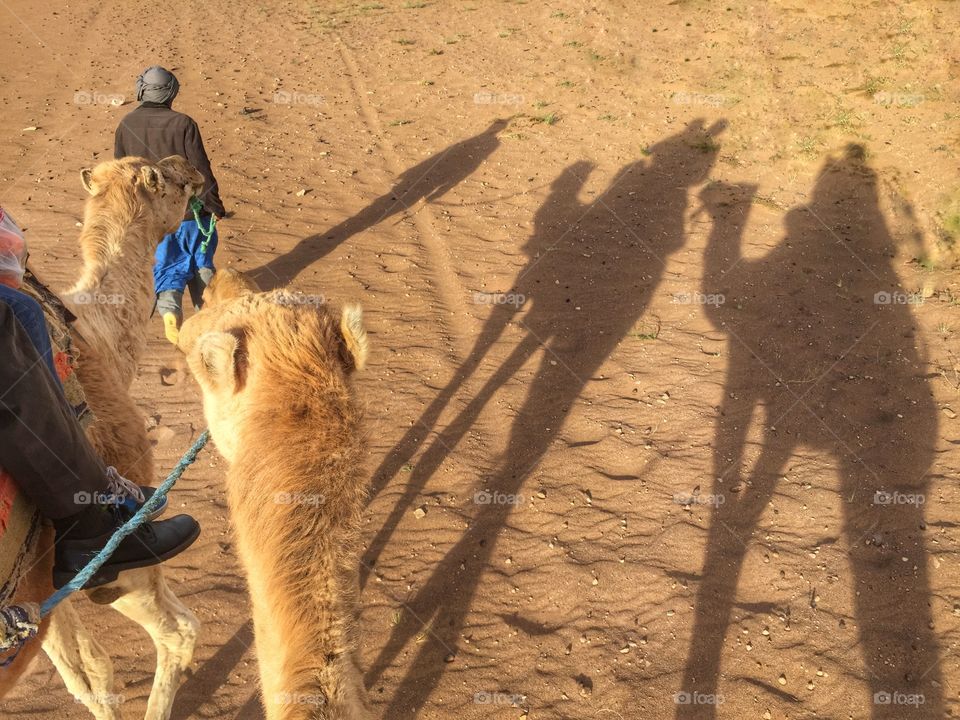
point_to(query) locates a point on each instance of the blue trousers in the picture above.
(180, 263)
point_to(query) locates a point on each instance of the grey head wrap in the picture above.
(157, 85)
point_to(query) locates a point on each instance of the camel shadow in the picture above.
(427, 180)
(823, 340)
(213, 674)
(592, 271)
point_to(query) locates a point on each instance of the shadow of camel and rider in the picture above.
(833, 369)
(428, 180)
(823, 344)
(592, 271)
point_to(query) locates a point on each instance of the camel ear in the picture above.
(718, 127)
(86, 177)
(354, 337)
(217, 353)
(152, 178)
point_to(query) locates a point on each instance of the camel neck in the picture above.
(113, 298)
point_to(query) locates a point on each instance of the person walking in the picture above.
(154, 130)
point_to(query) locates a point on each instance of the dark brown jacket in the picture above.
(41, 443)
(156, 131)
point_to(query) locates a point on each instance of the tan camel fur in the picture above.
(275, 376)
(227, 284)
(132, 205)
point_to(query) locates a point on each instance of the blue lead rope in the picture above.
(139, 518)
(197, 207)
(20, 623)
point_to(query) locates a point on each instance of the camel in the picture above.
(227, 284)
(275, 378)
(114, 295)
(132, 204)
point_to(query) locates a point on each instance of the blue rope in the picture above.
(207, 233)
(83, 577)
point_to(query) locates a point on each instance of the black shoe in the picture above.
(150, 544)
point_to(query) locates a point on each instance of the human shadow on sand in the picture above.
(592, 271)
(823, 344)
(428, 180)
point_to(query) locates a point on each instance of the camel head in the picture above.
(133, 203)
(255, 350)
(228, 284)
(182, 182)
(135, 186)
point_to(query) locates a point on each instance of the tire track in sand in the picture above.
(449, 291)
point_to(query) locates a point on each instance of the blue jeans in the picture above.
(29, 314)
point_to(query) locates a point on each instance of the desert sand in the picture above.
(644, 440)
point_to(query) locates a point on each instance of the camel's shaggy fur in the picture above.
(133, 204)
(226, 284)
(278, 399)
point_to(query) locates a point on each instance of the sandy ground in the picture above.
(686, 463)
